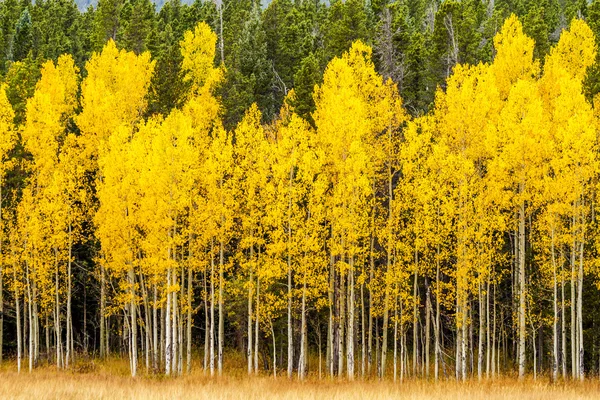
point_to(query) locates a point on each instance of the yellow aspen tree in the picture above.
(219, 187)
(116, 225)
(465, 117)
(112, 94)
(295, 214)
(347, 133)
(113, 98)
(47, 115)
(515, 71)
(523, 132)
(573, 162)
(204, 107)
(250, 174)
(7, 142)
(168, 184)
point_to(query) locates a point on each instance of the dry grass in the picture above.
(107, 381)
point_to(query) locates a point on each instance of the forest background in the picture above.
(302, 187)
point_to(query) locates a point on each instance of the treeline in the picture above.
(166, 209)
(286, 45)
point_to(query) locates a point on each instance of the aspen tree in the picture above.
(198, 49)
(218, 181)
(250, 175)
(295, 218)
(113, 98)
(522, 126)
(48, 112)
(572, 162)
(7, 142)
(515, 70)
(347, 133)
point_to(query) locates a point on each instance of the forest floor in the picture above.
(110, 382)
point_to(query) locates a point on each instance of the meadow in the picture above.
(110, 380)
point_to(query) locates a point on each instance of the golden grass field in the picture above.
(110, 382)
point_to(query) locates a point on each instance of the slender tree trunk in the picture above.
(221, 310)
(256, 325)
(70, 341)
(370, 334)
(415, 314)
(207, 323)
(574, 361)
(155, 331)
(133, 323)
(212, 311)
(580, 313)
(487, 329)
(168, 347)
(534, 352)
(481, 334)
(428, 313)
(342, 317)
(175, 321)
(363, 348)
(522, 326)
(290, 332)
(147, 325)
(219, 5)
(563, 326)
(31, 329)
(249, 327)
(384, 340)
(18, 313)
(330, 327)
(189, 321)
(395, 342)
(302, 360)
(458, 357)
(350, 334)
(180, 319)
(57, 320)
(274, 349)
(464, 339)
(402, 343)
(555, 316)
(388, 263)
(102, 312)
(438, 350)
(494, 337)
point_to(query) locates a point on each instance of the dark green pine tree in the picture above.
(249, 75)
(167, 89)
(21, 79)
(171, 14)
(456, 37)
(85, 36)
(592, 81)
(236, 13)
(573, 9)
(10, 12)
(57, 30)
(199, 10)
(418, 88)
(540, 22)
(107, 22)
(138, 18)
(23, 40)
(346, 22)
(292, 31)
(308, 75)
